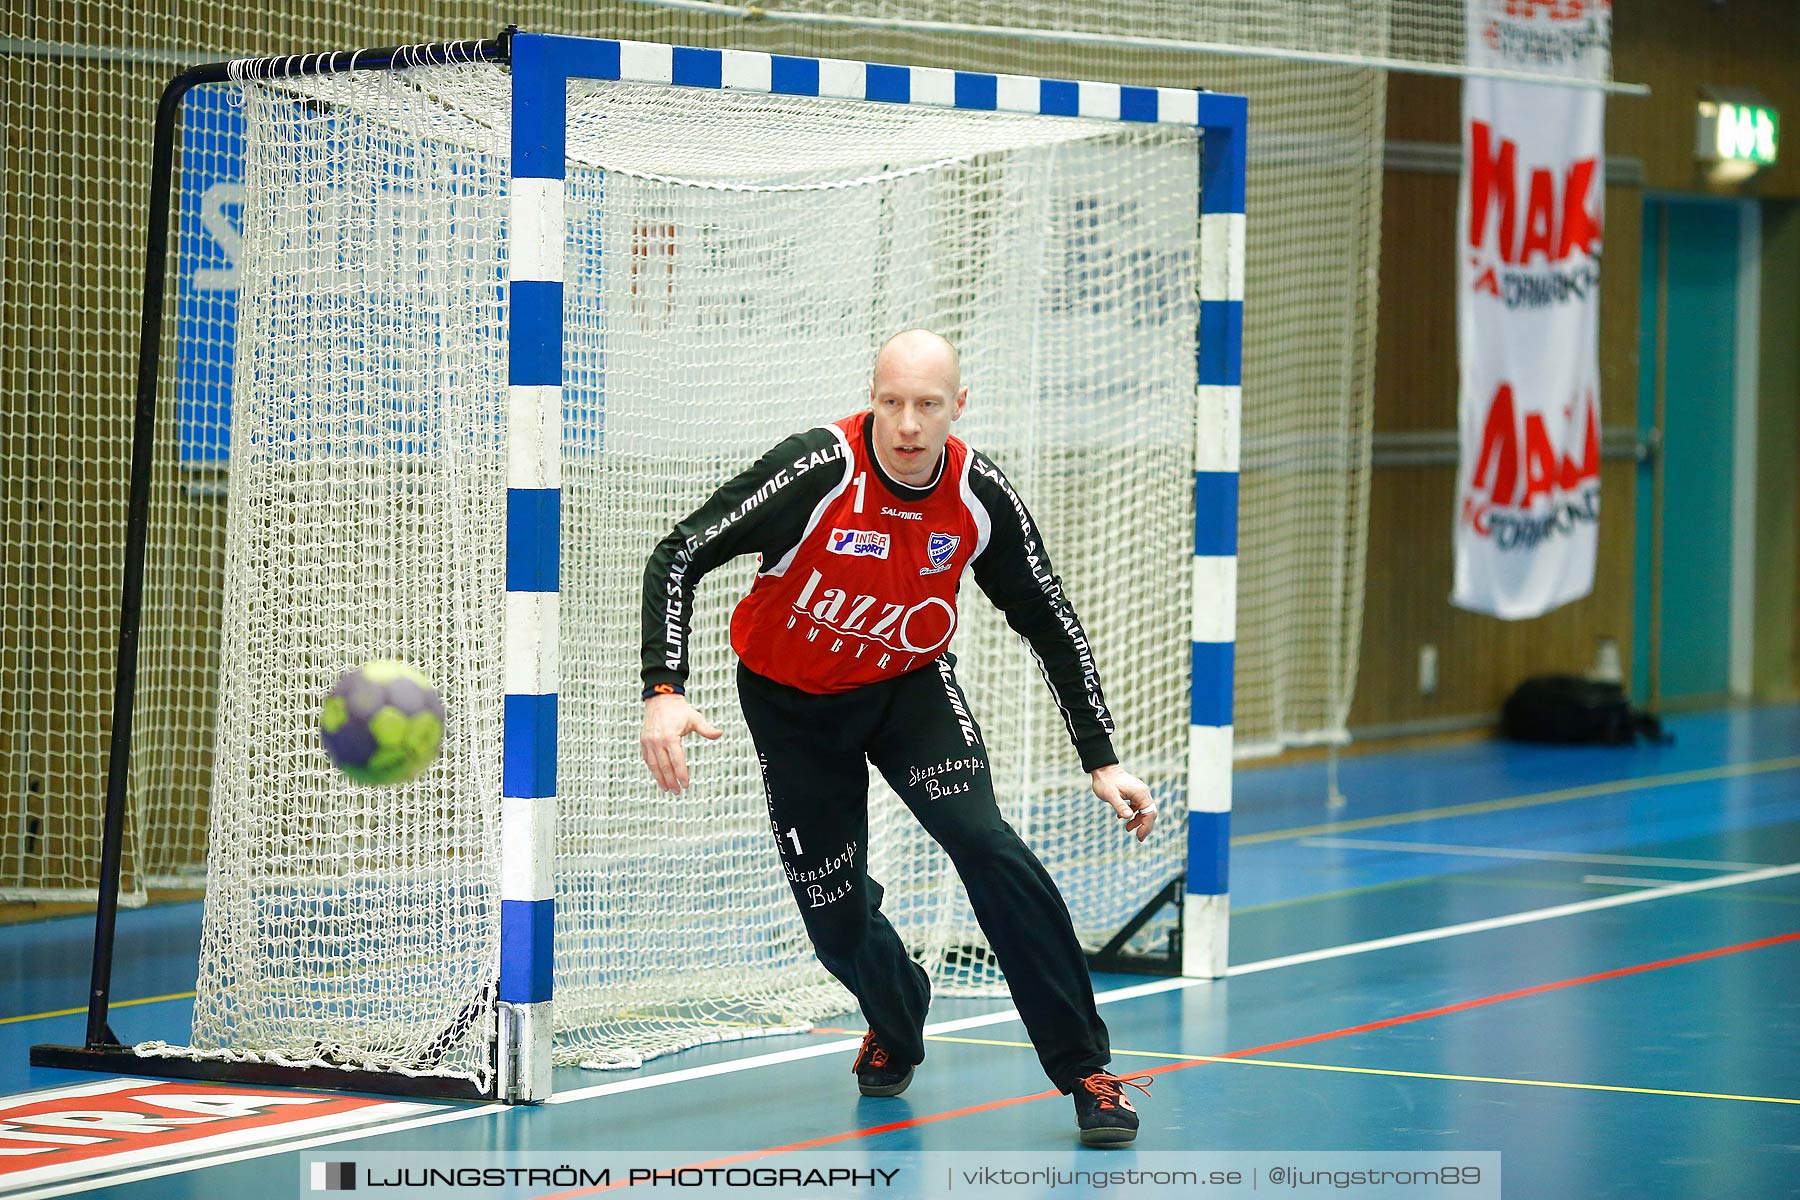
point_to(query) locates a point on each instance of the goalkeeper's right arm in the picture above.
(763, 511)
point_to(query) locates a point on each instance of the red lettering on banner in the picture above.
(1491, 179)
(1555, 10)
(1497, 466)
(1499, 448)
(1540, 460)
(1579, 228)
(1540, 218)
(1554, 226)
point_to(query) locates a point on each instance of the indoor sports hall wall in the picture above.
(1333, 235)
(77, 90)
(1677, 47)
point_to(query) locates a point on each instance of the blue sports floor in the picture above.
(1587, 960)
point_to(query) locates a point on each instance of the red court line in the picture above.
(1310, 1039)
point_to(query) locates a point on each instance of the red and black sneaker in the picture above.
(877, 1074)
(1103, 1110)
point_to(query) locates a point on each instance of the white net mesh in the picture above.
(1422, 34)
(733, 262)
(73, 231)
(1314, 229)
(350, 925)
(1313, 204)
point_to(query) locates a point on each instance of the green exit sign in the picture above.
(1743, 133)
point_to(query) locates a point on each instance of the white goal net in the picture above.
(732, 263)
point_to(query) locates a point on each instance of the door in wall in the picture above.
(1697, 301)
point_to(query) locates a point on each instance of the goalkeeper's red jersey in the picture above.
(869, 591)
(859, 574)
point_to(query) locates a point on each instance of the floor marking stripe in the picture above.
(1159, 986)
(1623, 881)
(774, 1058)
(1617, 860)
(1520, 993)
(1543, 1083)
(1363, 890)
(1108, 997)
(1278, 904)
(1525, 918)
(1317, 832)
(1189, 1063)
(1333, 1067)
(1507, 804)
(82, 1011)
(1156, 987)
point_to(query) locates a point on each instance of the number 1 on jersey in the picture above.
(794, 837)
(857, 483)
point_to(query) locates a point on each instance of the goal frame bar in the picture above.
(542, 67)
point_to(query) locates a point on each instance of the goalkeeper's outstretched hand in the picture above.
(667, 719)
(1129, 797)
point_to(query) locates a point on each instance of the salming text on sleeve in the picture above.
(764, 511)
(1016, 574)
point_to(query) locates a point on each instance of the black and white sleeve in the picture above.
(1015, 572)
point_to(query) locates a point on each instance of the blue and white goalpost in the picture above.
(543, 68)
(1218, 408)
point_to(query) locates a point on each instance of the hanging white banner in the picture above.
(1528, 308)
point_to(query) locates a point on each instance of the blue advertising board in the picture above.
(209, 200)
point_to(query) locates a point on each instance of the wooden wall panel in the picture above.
(1680, 46)
(1777, 661)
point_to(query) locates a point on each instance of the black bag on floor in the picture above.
(1570, 709)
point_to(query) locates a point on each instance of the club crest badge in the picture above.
(940, 549)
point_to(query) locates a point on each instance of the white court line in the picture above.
(994, 1018)
(1623, 881)
(1524, 918)
(1615, 860)
(820, 1049)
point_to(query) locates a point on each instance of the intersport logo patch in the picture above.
(858, 543)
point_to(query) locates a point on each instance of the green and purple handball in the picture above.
(383, 722)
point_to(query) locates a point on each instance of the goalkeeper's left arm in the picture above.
(1015, 573)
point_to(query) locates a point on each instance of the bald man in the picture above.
(865, 527)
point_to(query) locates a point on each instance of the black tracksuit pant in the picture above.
(815, 753)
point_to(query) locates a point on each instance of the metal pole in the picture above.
(143, 444)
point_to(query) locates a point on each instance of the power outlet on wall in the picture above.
(1428, 669)
(1606, 661)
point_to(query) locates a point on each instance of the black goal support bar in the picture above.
(1114, 957)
